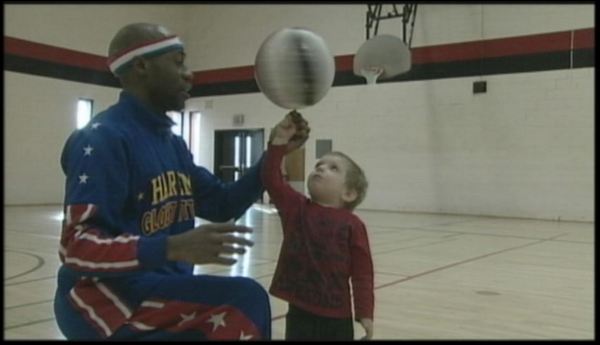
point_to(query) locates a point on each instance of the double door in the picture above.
(236, 151)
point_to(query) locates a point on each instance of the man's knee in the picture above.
(251, 291)
(251, 287)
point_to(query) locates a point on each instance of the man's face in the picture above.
(169, 81)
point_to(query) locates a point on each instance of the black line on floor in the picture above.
(28, 304)
(40, 263)
(28, 323)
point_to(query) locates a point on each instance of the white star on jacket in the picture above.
(95, 125)
(83, 178)
(88, 150)
(217, 320)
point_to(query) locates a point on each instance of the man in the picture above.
(128, 243)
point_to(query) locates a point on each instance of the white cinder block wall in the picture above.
(523, 149)
(39, 112)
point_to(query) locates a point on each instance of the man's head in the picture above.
(337, 181)
(149, 61)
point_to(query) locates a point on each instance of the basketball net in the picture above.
(371, 74)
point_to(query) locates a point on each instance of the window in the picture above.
(177, 117)
(236, 160)
(195, 118)
(187, 125)
(248, 151)
(84, 112)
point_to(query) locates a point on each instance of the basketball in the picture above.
(294, 68)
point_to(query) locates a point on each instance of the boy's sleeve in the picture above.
(283, 195)
(92, 241)
(361, 272)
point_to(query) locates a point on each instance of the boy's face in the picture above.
(326, 183)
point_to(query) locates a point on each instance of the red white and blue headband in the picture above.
(152, 48)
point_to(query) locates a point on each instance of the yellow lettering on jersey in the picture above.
(186, 183)
(157, 190)
(172, 183)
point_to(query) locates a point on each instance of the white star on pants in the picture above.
(88, 150)
(217, 320)
(83, 178)
(245, 337)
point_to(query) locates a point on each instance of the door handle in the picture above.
(232, 167)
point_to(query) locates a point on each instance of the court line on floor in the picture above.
(437, 269)
(434, 224)
(228, 269)
(381, 286)
(30, 281)
(28, 323)
(38, 234)
(28, 304)
(391, 273)
(376, 272)
(40, 263)
(411, 247)
(479, 234)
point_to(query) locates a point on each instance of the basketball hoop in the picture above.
(382, 57)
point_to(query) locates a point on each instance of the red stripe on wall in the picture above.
(46, 52)
(521, 45)
(584, 38)
(534, 44)
(224, 75)
(344, 63)
(447, 52)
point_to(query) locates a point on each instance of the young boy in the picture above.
(324, 244)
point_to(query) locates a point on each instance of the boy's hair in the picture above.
(355, 179)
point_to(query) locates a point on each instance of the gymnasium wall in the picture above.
(39, 111)
(428, 144)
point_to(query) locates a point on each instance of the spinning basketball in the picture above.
(294, 68)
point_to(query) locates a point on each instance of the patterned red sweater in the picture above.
(323, 249)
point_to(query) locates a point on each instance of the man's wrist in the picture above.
(172, 248)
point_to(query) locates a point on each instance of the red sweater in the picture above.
(323, 249)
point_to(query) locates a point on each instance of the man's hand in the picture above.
(292, 131)
(368, 326)
(205, 244)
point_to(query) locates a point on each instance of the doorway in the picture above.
(236, 151)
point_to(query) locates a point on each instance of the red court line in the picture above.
(453, 264)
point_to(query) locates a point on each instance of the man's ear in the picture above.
(140, 65)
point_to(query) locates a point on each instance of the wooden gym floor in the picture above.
(436, 276)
